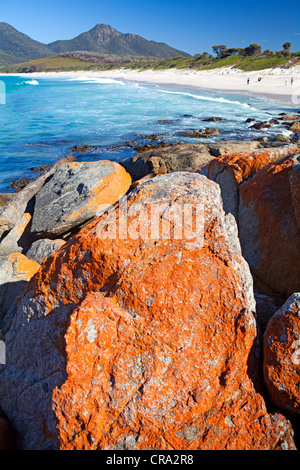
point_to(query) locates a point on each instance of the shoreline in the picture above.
(274, 84)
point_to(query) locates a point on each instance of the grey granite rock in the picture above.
(13, 211)
(15, 272)
(43, 248)
(76, 193)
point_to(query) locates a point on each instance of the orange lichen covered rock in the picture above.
(76, 193)
(134, 337)
(269, 225)
(229, 171)
(282, 356)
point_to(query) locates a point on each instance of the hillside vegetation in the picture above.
(250, 58)
(70, 62)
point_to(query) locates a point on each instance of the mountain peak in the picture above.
(16, 47)
(103, 33)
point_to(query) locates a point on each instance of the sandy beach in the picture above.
(278, 84)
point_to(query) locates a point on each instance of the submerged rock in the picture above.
(135, 336)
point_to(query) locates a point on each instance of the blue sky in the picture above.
(189, 25)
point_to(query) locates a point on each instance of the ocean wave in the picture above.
(30, 82)
(206, 98)
(96, 80)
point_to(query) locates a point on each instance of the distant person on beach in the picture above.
(248, 81)
(292, 81)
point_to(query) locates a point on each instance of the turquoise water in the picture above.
(44, 117)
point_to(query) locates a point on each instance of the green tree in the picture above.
(253, 49)
(220, 50)
(286, 46)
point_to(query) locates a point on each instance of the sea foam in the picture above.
(85, 79)
(30, 82)
(206, 98)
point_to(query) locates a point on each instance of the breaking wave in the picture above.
(206, 98)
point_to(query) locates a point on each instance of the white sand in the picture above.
(274, 84)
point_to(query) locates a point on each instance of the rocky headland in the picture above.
(120, 338)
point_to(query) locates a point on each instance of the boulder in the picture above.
(294, 117)
(230, 170)
(178, 157)
(282, 356)
(212, 131)
(15, 272)
(166, 160)
(76, 193)
(140, 335)
(18, 238)
(22, 202)
(5, 198)
(295, 127)
(232, 146)
(214, 119)
(261, 125)
(42, 249)
(282, 138)
(269, 225)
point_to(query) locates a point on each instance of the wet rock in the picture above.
(295, 127)
(261, 125)
(214, 119)
(294, 117)
(194, 133)
(212, 131)
(282, 138)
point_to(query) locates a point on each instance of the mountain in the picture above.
(105, 39)
(16, 47)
